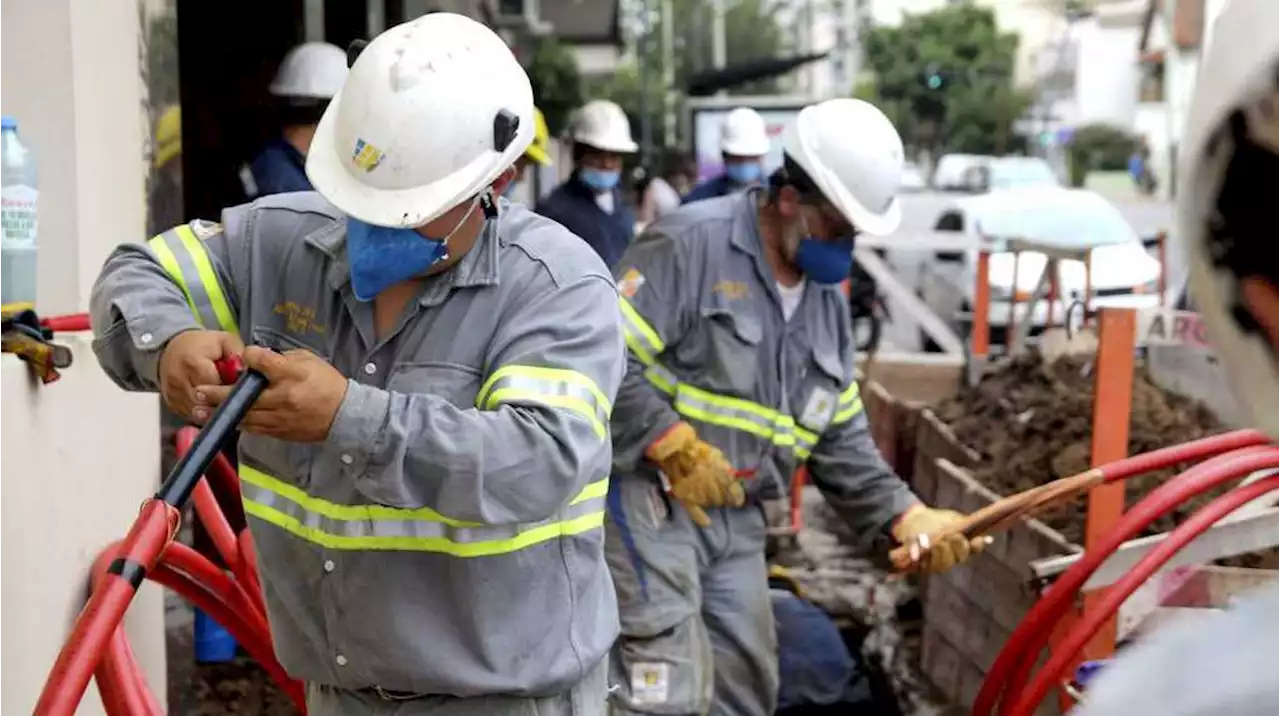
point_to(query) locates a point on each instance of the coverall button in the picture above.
(347, 459)
(370, 369)
(329, 565)
(340, 660)
(145, 337)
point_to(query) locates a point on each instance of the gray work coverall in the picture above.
(708, 344)
(447, 538)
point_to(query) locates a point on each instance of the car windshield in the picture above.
(1061, 218)
(1010, 172)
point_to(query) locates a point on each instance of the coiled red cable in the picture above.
(1063, 655)
(97, 646)
(1009, 673)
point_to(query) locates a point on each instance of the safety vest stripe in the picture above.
(641, 336)
(376, 527)
(849, 395)
(845, 414)
(733, 413)
(184, 257)
(549, 387)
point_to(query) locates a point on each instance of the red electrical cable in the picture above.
(1183, 453)
(1012, 666)
(1063, 655)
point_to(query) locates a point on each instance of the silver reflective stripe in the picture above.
(551, 387)
(177, 262)
(336, 526)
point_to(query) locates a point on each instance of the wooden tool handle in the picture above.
(999, 516)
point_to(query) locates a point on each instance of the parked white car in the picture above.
(1013, 172)
(1123, 273)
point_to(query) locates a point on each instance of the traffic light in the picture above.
(933, 78)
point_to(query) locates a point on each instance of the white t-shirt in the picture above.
(790, 296)
(605, 202)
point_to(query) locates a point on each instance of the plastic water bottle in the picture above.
(18, 195)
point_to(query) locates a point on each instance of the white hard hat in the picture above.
(603, 125)
(854, 156)
(312, 70)
(1229, 161)
(434, 110)
(743, 134)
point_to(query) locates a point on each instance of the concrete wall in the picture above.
(78, 456)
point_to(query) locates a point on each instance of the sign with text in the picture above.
(1170, 327)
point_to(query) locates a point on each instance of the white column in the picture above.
(79, 455)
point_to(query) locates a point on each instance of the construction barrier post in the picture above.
(1112, 403)
(980, 335)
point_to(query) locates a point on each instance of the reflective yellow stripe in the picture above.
(208, 279)
(640, 336)
(850, 404)
(734, 413)
(184, 257)
(169, 263)
(549, 387)
(376, 527)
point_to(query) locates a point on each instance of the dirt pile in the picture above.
(1031, 420)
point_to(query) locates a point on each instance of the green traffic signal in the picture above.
(934, 82)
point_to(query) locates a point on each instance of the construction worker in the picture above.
(740, 370)
(308, 78)
(539, 152)
(426, 472)
(744, 141)
(1225, 663)
(590, 203)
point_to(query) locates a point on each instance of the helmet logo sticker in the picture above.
(366, 156)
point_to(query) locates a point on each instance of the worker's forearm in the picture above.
(135, 309)
(857, 482)
(515, 463)
(640, 415)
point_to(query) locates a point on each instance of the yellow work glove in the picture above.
(939, 555)
(699, 474)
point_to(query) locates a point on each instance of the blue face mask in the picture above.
(743, 172)
(599, 179)
(381, 257)
(825, 262)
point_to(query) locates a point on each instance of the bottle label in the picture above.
(18, 216)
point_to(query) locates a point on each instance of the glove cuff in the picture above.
(676, 438)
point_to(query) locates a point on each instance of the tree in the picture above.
(751, 32)
(557, 84)
(945, 78)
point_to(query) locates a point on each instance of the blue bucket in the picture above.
(214, 644)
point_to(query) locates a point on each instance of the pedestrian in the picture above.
(661, 193)
(307, 79)
(590, 203)
(740, 370)
(425, 474)
(744, 141)
(1224, 663)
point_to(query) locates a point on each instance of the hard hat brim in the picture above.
(332, 176)
(875, 223)
(539, 155)
(744, 149)
(625, 146)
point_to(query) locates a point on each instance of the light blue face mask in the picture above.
(599, 179)
(825, 262)
(381, 256)
(743, 172)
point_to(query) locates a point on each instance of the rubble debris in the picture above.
(1031, 421)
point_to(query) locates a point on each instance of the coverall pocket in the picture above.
(279, 341)
(731, 361)
(817, 402)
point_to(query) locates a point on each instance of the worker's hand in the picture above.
(700, 475)
(189, 361)
(938, 555)
(300, 402)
